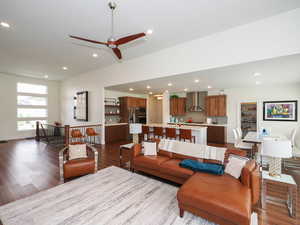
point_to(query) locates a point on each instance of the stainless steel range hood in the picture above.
(196, 101)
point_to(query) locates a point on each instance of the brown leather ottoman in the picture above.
(220, 199)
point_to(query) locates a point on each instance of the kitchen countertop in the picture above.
(201, 124)
(115, 124)
(164, 125)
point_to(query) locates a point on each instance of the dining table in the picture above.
(256, 139)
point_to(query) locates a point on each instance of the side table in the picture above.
(126, 147)
(283, 181)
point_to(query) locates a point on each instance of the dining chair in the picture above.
(146, 131)
(238, 143)
(77, 135)
(295, 139)
(239, 132)
(186, 134)
(171, 133)
(158, 132)
(91, 133)
(294, 162)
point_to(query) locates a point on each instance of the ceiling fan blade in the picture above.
(127, 39)
(84, 39)
(117, 52)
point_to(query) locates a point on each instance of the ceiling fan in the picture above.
(112, 42)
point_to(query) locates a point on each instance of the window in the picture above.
(28, 125)
(31, 113)
(31, 105)
(32, 88)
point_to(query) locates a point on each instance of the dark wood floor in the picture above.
(27, 167)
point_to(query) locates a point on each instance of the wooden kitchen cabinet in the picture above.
(177, 106)
(215, 105)
(216, 134)
(130, 102)
(142, 102)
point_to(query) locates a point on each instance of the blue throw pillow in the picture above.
(202, 167)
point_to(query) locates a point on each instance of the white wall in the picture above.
(117, 94)
(273, 37)
(260, 94)
(8, 107)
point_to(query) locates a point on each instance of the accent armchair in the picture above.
(77, 167)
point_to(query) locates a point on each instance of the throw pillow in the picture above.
(77, 151)
(150, 148)
(235, 165)
(202, 167)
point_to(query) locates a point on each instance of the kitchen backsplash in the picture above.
(195, 116)
(200, 117)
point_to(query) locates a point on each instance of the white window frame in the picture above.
(31, 106)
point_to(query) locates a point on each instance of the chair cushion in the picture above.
(222, 196)
(150, 161)
(77, 151)
(78, 167)
(172, 167)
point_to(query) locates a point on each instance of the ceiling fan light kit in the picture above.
(112, 42)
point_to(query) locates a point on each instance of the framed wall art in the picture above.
(81, 106)
(280, 111)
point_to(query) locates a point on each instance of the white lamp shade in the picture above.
(135, 128)
(277, 148)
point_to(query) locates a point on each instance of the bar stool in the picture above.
(77, 135)
(186, 134)
(146, 131)
(171, 133)
(90, 132)
(158, 132)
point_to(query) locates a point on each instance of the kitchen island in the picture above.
(216, 133)
(200, 132)
(116, 132)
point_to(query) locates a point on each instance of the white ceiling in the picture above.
(37, 42)
(282, 70)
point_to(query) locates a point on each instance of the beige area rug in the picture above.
(112, 196)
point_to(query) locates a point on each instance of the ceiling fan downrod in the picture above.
(112, 6)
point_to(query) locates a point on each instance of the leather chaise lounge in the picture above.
(220, 199)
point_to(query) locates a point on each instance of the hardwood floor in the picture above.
(27, 167)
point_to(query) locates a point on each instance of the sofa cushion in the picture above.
(150, 161)
(223, 196)
(172, 167)
(78, 167)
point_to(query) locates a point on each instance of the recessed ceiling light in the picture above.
(149, 31)
(65, 68)
(4, 24)
(197, 81)
(150, 93)
(185, 89)
(95, 55)
(148, 86)
(209, 86)
(256, 74)
(170, 84)
(131, 89)
(257, 82)
(46, 76)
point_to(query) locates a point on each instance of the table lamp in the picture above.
(276, 149)
(135, 129)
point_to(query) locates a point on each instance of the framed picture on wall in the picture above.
(280, 111)
(81, 106)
